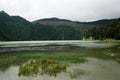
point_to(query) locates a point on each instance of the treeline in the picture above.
(111, 31)
(14, 28)
(17, 28)
(44, 32)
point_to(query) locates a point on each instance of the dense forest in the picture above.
(14, 28)
(111, 31)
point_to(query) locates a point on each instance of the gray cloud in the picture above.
(77, 10)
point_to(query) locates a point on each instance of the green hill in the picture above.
(17, 28)
(13, 27)
(111, 31)
(79, 27)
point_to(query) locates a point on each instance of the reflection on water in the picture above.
(95, 69)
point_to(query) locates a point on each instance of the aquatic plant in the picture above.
(43, 66)
(6, 60)
(68, 57)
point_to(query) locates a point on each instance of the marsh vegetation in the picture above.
(35, 67)
(88, 62)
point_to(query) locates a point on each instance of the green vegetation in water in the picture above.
(66, 56)
(18, 58)
(44, 66)
(6, 60)
(69, 57)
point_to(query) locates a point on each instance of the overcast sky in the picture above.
(77, 10)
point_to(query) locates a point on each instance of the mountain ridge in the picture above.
(90, 22)
(18, 28)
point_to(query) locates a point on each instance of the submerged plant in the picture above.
(45, 66)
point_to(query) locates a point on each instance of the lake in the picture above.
(103, 59)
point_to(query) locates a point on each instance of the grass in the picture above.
(68, 56)
(61, 56)
(50, 62)
(17, 58)
(43, 66)
(7, 60)
(64, 57)
(53, 62)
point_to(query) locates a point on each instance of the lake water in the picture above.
(103, 60)
(50, 45)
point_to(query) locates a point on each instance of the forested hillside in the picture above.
(78, 26)
(17, 28)
(111, 31)
(13, 27)
(72, 29)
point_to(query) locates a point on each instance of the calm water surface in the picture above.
(50, 45)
